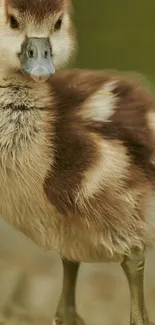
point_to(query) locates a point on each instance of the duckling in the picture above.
(77, 154)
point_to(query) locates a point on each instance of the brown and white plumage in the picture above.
(79, 180)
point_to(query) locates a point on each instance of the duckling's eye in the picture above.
(13, 22)
(58, 24)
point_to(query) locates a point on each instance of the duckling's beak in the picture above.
(36, 59)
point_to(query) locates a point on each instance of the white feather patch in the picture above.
(101, 106)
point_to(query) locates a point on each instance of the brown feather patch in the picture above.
(39, 8)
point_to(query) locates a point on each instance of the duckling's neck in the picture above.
(24, 107)
(8, 74)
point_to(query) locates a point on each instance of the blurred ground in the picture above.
(31, 279)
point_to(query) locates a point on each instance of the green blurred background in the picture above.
(116, 34)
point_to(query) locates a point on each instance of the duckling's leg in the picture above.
(66, 312)
(133, 266)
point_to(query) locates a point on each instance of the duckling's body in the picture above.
(76, 168)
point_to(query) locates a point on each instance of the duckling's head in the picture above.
(36, 36)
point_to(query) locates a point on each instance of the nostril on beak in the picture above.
(30, 54)
(46, 54)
